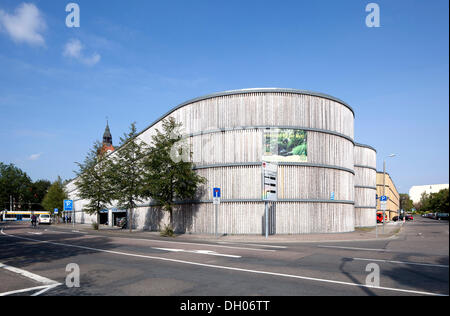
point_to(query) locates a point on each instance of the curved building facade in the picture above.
(365, 186)
(309, 135)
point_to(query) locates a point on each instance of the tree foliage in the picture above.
(55, 197)
(434, 202)
(406, 202)
(93, 180)
(127, 173)
(170, 175)
(16, 183)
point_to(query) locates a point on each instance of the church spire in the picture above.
(107, 137)
(107, 145)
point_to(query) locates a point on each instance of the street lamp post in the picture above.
(384, 185)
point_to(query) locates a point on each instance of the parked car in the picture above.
(44, 219)
(441, 216)
(407, 218)
(380, 218)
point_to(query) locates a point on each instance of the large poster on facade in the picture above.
(285, 145)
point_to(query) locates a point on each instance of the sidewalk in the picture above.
(391, 230)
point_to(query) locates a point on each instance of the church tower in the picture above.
(107, 140)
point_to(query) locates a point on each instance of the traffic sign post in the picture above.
(68, 207)
(216, 202)
(269, 191)
(383, 204)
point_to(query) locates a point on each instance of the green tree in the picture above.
(94, 181)
(55, 197)
(38, 191)
(127, 173)
(170, 175)
(405, 202)
(16, 184)
(434, 202)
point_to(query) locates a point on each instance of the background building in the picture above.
(415, 193)
(309, 135)
(393, 204)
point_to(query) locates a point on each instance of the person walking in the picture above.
(33, 220)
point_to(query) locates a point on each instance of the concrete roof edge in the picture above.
(365, 146)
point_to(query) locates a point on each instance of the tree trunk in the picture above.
(130, 219)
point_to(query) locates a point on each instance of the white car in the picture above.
(45, 219)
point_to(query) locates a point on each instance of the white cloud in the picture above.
(35, 156)
(73, 49)
(25, 25)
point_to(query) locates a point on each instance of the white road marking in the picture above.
(187, 243)
(202, 252)
(34, 233)
(196, 244)
(403, 262)
(256, 245)
(353, 248)
(43, 287)
(48, 284)
(231, 268)
(46, 289)
(67, 232)
(28, 275)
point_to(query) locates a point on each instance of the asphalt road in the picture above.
(34, 262)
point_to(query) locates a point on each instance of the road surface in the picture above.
(34, 262)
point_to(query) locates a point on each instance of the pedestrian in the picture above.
(33, 220)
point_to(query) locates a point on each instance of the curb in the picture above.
(182, 238)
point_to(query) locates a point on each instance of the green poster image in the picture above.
(285, 145)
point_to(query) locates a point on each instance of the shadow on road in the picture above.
(18, 252)
(352, 278)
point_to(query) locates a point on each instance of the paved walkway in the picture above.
(390, 231)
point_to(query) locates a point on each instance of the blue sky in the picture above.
(135, 60)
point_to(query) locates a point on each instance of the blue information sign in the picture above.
(216, 192)
(68, 205)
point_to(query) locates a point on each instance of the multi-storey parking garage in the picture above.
(365, 185)
(309, 135)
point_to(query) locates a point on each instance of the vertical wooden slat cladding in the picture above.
(303, 182)
(365, 186)
(248, 218)
(225, 134)
(247, 146)
(260, 109)
(242, 118)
